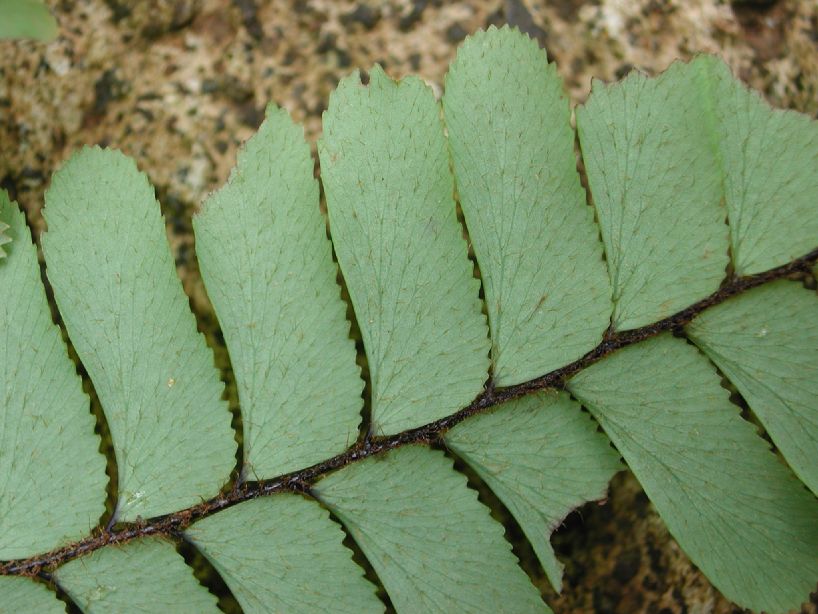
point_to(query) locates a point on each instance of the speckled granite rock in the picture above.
(179, 85)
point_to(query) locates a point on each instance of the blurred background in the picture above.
(180, 85)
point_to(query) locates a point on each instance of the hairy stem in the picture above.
(302, 480)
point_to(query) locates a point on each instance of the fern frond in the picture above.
(668, 160)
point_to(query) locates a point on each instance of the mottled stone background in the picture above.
(179, 85)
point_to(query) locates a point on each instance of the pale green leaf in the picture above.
(434, 547)
(284, 554)
(657, 189)
(52, 476)
(734, 508)
(547, 290)
(385, 169)
(769, 161)
(115, 283)
(267, 265)
(26, 19)
(542, 457)
(24, 595)
(4, 238)
(766, 343)
(145, 575)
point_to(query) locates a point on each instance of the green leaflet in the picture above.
(145, 575)
(766, 343)
(50, 467)
(386, 175)
(661, 154)
(432, 544)
(284, 554)
(657, 189)
(769, 163)
(734, 508)
(542, 457)
(24, 595)
(123, 305)
(547, 290)
(267, 266)
(26, 19)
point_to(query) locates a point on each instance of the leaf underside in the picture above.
(290, 543)
(657, 193)
(543, 457)
(735, 509)
(769, 167)
(116, 286)
(385, 170)
(146, 575)
(46, 416)
(23, 595)
(681, 195)
(427, 536)
(267, 264)
(524, 206)
(763, 343)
